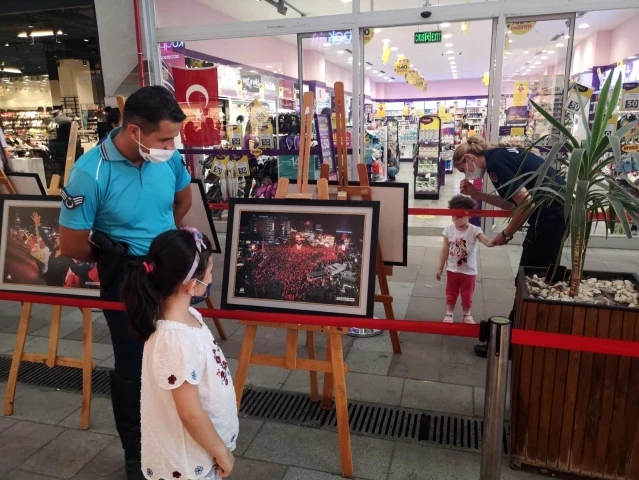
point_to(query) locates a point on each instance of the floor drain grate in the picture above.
(396, 423)
(62, 378)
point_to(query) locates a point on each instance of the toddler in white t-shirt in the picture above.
(459, 256)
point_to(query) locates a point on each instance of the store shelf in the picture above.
(426, 169)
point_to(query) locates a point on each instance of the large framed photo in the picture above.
(393, 216)
(30, 259)
(24, 184)
(199, 215)
(301, 256)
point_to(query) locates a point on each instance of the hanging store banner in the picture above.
(420, 82)
(520, 94)
(402, 66)
(411, 77)
(380, 112)
(517, 114)
(287, 90)
(520, 28)
(251, 83)
(270, 87)
(630, 97)
(574, 103)
(369, 33)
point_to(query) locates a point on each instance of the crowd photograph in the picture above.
(300, 257)
(32, 254)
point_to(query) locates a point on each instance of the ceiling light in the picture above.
(444, 25)
(368, 68)
(350, 58)
(551, 51)
(340, 52)
(543, 51)
(386, 40)
(537, 63)
(390, 79)
(252, 71)
(36, 33)
(452, 63)
(544, 57)
(380, 75)
(509, 53)
(411, 65)
(6, 44)
(525, 51)
(450, 52)
(86, 40)
(385, 78)
(448, 45)
(400, 55)
(447, 35)
(451, 58)
(510, 41)
(631, 58)
(327, 44)
(269, 66)
(394, 49)
(566, 36)
(374, 71)
(584, 25)
(377, 30)
(559, 45)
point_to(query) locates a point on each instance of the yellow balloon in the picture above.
(486, 79)
(386, 53)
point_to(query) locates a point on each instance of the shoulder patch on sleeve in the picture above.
(493, 177)
(70, 201)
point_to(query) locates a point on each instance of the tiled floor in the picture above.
(42, 439)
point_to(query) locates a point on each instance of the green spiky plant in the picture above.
(587, 191)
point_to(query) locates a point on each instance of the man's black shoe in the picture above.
(481, 350)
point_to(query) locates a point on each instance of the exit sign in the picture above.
(428, 37)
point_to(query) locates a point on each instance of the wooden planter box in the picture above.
(575, 412)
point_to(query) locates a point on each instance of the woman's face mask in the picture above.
(473, 172)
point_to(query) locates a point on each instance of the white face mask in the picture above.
(476, 173)
(155, 155)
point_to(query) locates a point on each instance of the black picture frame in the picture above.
(291, 207)
(32, 190)
(26, 266)
(198, 212)
(403, 262)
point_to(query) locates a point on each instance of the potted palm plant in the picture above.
(575, 412)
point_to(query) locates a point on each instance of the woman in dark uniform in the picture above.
(504, 163)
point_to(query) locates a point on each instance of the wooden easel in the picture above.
(333, 367)
(363, 190)
(51, 359)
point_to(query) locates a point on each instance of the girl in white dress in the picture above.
(188, 408)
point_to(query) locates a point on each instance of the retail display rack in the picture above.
(426, 170)
(407, 133)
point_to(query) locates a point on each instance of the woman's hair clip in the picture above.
(197, 236)
(149, 268)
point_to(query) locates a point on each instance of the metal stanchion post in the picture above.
(497, 331)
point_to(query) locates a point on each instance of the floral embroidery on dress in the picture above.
(218, 359)
(172, 381)
(199, 470)
(193, 375)
(149, 472)
(177, 474)
(223, 377)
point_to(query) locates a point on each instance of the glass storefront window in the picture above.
(214, 12)
(379, 5)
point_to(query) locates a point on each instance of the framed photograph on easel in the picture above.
(30, 257)
(299, 256)
(24, 184)
(199, 215)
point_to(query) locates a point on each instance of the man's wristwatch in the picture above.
(506, 237)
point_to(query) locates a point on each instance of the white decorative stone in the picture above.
(591, 281)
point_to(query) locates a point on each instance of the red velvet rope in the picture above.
(519, 337)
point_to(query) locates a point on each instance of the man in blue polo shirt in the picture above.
(126, 191)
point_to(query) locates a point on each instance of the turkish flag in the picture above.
(197, 88)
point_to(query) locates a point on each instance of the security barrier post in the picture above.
(497, 332)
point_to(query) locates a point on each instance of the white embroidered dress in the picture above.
(177, 353)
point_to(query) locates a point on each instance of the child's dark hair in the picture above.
(148, 283)
(462, 202)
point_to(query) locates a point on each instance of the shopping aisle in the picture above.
(428, 225)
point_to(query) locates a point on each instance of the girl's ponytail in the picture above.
(141, 300)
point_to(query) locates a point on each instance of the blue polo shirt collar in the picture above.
(109, 150)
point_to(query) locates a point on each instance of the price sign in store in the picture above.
(611, 126)
(219, 166)
(574, 103)
(630, 97)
